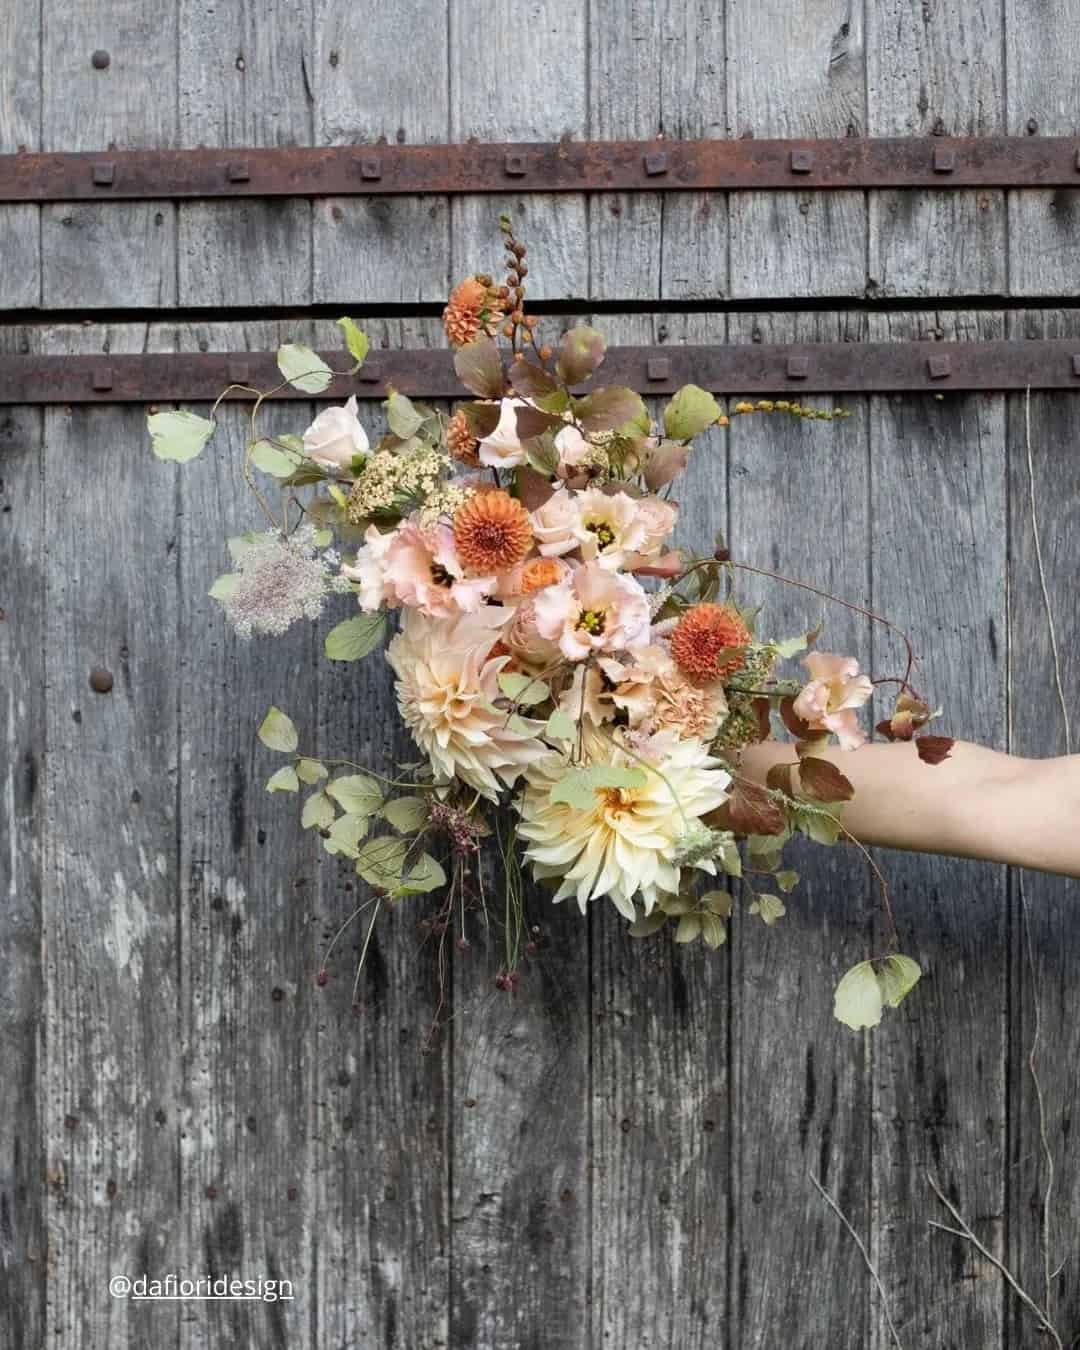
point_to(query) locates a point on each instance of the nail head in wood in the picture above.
(658, 368)
(656, 163)
(100, 60)
(101, 680)
(798, 367)
(802, 161)
(104, 173)
(939, 367)
(944, 159)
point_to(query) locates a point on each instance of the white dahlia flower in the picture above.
(447, 683)
(623, 845)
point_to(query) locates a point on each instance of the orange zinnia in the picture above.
(701, 637)
(492, 532)
(474, 308)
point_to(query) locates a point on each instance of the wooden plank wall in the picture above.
(622, 1156)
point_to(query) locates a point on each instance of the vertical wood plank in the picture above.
(800, 506)
(247, 913)
(22, 764)
(244, 81)
(1037, 729)
(796, 70)
(542, 51)
(380, 74)
(100, 254)
(658, 73)
(1043, 99)
(20, 129)
(938, 556)
(382, 1091)
(110, 1090)
(660, 1079)
(936, 70)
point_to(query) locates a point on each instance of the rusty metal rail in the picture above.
(751, 368)
(564, 166)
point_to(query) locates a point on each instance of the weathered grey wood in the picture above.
(1037, 729)
(522, 77)
(796, 70)
(247, 913)
(381, 72)
(109, 1095)
(936, 70)
(938, 547)
(657, 72)
(22, 716)
(800, 1091)
(660, 1015)
(20, 126)
(96, 255)
(382, 1093)
(1043, 99)
(244, 80)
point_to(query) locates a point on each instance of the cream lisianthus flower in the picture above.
(622, 846)
(447, 684)
(609, 526)
(593, 610)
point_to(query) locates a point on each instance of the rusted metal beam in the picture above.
(751, 368)
(564, 166)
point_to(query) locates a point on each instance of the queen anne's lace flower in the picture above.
(279, 580)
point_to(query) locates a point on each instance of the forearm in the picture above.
(978, 803)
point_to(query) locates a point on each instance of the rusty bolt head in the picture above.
(102, 378)
(802, 161)
(369, 372)
(370, 168)
(656, 163)
(514, 166)
(104, 173)
(658, 368)
(944, 159)
(939, 367)
(100, 60)
(238, 171)
(101, 680)
(798, 367)
(239, 372)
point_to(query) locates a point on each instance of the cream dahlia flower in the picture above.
(447, 683)
(623, 845)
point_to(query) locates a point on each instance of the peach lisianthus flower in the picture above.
(555, 524)
(829, 700)
(369, 569)
(421, 569)
(593, 610)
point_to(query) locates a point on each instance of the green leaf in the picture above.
(867, 988)
(224, 586)
(426, 874)
(789, 647)
(285, 780)
(822, 829)
(578, 786)
(380, 861)
(532, 381)
(560, 727)
(606, 409)
(769, 908)
(787, 881)
(354, 638)
(581, 352)
(406, 814)
(648, 924)
(898, 976)
(323, 538)
(178, 436)
(345, 835)
(689, 928)
(238, 544)
(482, 418)
(356, 341)
(523, 689)
(303, 369)
(356, 794)
(278, 732)
(718, 903)
(690, 411)
(269, 459)
(401, 415)
(311, 770)
(713, 930)
(479, 368)
(318, 812)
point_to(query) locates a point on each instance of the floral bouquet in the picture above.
(580, 690)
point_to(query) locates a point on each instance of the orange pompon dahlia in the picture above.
(460, 441)
(492, 532)
(474, 309)
(541, 572)
(703, 640)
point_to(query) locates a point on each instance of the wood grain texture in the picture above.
(1045, 970)
(542, 49)
(382, 1103)
(20, 129)
(244, 81)
(22, 765)
(660, 1014)
(109, 1095)
(246, 916)
(381, 73)
(94, 254)
(800, 1089)
(657, 72)
(796, 70)
(1044, 100)
(936, 70)
(938, 548)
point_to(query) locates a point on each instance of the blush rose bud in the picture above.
(335, 437)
